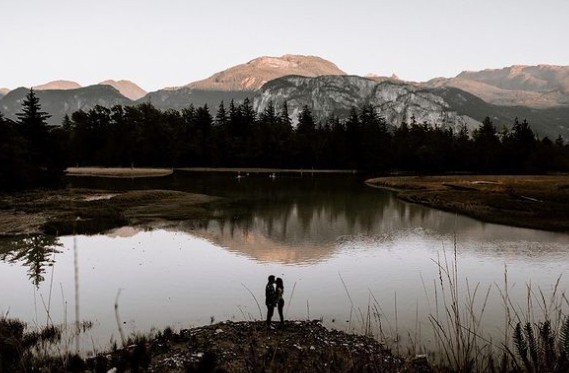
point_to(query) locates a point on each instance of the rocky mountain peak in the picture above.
(253, 74)
(516, 70)
(126, 88)
(315, 64)
(58, 85)
(380, 78)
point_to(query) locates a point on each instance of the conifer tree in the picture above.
(268, 115)
(248, 114)
(284, 118)
(33, 121)
(34, 157)
(487, 146)
(306, 123)
(66, 123)
(486, 132)
(221, 117)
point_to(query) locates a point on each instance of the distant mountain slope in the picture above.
(535, 86)
(3, 92)
(253, 74)
(183, 97)
(398, 102)
(58, 84)
(126, 88)
(540, 78)
(61, 102)
(549, 122)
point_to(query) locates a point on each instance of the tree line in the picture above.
(236, 136)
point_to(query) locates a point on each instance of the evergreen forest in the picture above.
(33, 153)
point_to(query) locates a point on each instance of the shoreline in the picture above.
(227, 346)
(257, 170)
(525, 201)
(139, 172)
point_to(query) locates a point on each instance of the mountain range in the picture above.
(539, 93)
(59, 102)
(534, 86)
(127, 88)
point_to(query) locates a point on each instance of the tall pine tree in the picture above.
(33, 122)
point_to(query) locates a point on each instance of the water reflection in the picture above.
(37, 252)
(307, 230)
(301, 219)
(312, 230)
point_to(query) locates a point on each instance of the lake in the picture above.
(349, 254)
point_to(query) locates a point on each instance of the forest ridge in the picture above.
(235, 135)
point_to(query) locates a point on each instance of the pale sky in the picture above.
(160, 43)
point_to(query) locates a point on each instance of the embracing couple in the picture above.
(274, 297)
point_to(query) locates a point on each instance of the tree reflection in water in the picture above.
(33, 251)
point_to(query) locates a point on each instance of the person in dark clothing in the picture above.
(270, 299)
(279, 299)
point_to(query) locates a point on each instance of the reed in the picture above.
(254, 298)
(456, 322)
(535, 336)
(117, 319)
(19, 346)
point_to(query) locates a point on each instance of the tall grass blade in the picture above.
(532, 343)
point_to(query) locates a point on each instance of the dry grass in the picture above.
(531, 201)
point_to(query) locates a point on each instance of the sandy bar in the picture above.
(118, 172)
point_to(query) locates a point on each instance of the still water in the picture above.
(351, 255)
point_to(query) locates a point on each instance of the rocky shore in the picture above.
(249, 346)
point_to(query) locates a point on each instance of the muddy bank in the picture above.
(539, 202)
(84, 211)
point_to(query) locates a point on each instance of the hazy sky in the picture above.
(158, 43)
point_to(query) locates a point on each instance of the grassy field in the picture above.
(540, 202)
